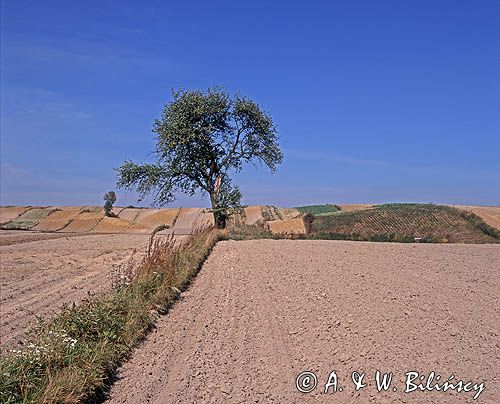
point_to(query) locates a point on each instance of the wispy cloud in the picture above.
(322, 156)
(13, 172)
(415, 166)
(82, 53)
(32, 101)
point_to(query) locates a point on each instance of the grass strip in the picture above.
(71, 358)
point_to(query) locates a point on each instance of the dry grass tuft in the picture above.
(70, 358)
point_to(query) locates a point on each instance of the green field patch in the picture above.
(318, 210)
(29, 219)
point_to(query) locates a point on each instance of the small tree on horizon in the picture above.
(201, 138)
(109, 200)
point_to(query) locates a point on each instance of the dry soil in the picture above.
(260, 312)
(490, 214)
(41, 271)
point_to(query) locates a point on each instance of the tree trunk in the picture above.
(220, 217)
(220, 220)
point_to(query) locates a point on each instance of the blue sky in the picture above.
(375, 101)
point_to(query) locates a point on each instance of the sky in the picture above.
(374, 101)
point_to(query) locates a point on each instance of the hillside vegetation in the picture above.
(319, 210)
(405, 223)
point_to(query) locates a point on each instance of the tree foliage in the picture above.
(202, 138)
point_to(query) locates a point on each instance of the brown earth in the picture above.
(30, 218)
(253, 214)
(9, 237)
(289, 226)
(490, 214)
(355, 206)
(85, 221)
(190, 219)
(111, 225)
(59, 219)
(288, 213)
(91, 219)
(206, 219)
(152, 218)
(41, 271)
(129, 214)
(8, 213)
(260, 312)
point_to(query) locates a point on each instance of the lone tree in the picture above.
(109, 200)
(203, 137)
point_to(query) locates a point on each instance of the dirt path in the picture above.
(260, 312)
(39, 273)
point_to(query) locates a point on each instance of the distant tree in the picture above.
(203, 137)
(109, 200)
(308, 219)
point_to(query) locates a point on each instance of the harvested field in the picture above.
(91, 219)
(58, 220)
(129, 214)
(150, 219)
(205, 219)
(271, 213)
(8, 213)
(191, 218)
(262, 311)
(110, 225)
(290, 226)
(253, 215)
(288, 213)
(260, 214)
(355, 206)
(490, 214)
(117, 210)
(84, 222)
(29, 219)
(41, 271)
(9, 237)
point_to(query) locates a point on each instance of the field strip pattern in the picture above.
(180, 221)
(262, 311)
